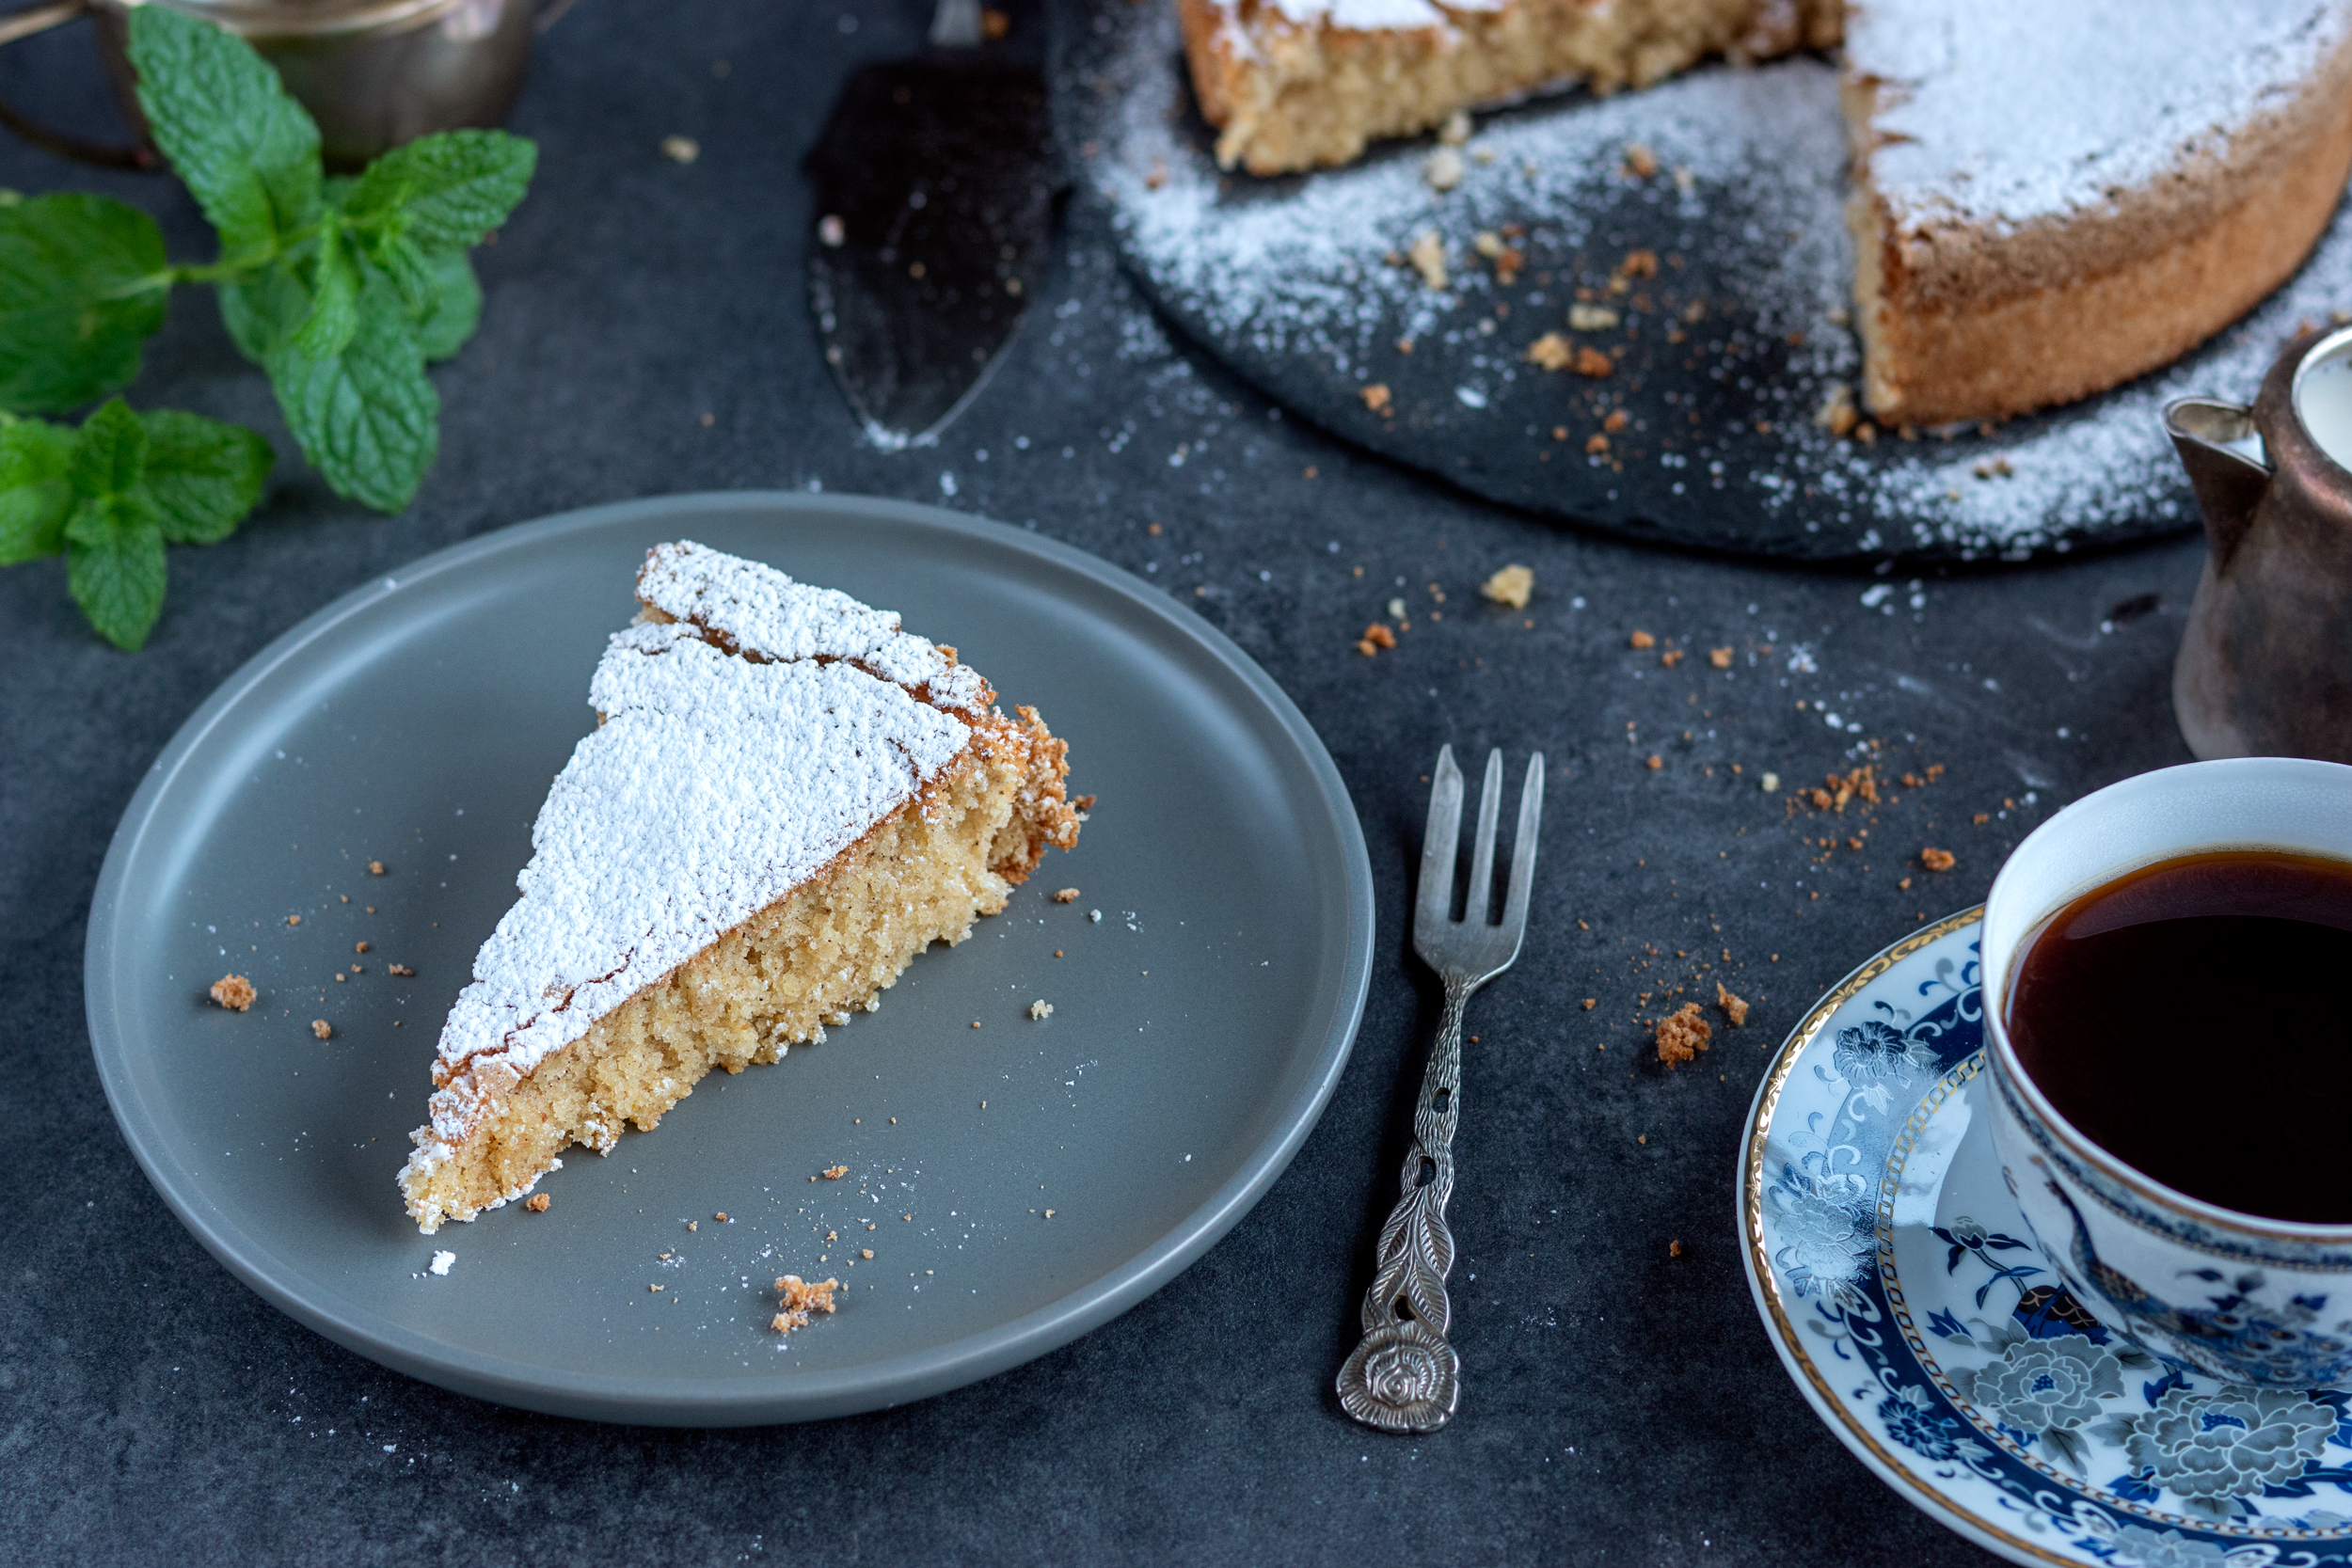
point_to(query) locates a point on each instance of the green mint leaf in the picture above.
(35, 495)
(443, 191)
(264, 309)
(334, 314)
(203, 475)
(110, 455)
(367, 419)
(83, 282)
(247, 151)
(453, 308)
(114, 567)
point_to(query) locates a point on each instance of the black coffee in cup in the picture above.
(2191, 1018)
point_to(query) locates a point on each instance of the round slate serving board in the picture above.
(1721, 360)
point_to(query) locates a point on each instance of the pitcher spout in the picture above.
(2229, 484)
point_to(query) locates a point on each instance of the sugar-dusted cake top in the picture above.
(2006, 110)
(765, 613)
(716, 785)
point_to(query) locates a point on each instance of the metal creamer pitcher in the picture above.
(2266, 667)
(374, 73)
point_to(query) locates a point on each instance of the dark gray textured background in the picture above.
(646, 332)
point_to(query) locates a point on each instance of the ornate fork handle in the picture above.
(1404, 1376)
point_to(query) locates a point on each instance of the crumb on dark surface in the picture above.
(1937, 859)
(835, 1173)
(538, 1203)
(234, 992)
(1641, 639)
(401, 970)
(1066, 895)
(1734, 1008)
(1682, 1033)
(323, 1029)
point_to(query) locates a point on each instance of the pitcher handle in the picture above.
(2229, 485)
(41, 19)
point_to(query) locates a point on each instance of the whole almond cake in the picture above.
(2048, 198)
(786, 798)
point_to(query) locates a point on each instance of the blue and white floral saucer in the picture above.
(1902, 1289)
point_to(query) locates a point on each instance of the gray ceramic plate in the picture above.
(1199, 1024)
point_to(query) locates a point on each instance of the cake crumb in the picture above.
(722, 1215)
(1427, 256)
(835, 1173)
(1671, 658)
(1683, 1035)
(1066, 896)
(538, 1203)
(1377, 399)
(1734, 1008)
(1591, 362)
(234, 992)
(1592, 318)
(1937, 859)
(358, 947)
(375, 868)
(294, 920)
(1040, 1010)
(1770, 783)
(401, 970)
(1513, 585)
(1719, 657)
(867, 1253)
(1551, 352)
(1456, 129)
(1443, 170)
(1640, 162)
(1673, 1249)
(1654, 762)
(681, 149)
(441, 1262)
(1595, 444)
(798, 1298)
(320, 1027)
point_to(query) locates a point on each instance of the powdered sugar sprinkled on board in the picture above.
(1288, 281)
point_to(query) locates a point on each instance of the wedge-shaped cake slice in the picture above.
(786, 798)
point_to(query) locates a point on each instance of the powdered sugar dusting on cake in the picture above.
(765, 612)
(715, 786)
(2033, 109)
(1367, 16)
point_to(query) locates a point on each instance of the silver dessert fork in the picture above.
(1404, 1376)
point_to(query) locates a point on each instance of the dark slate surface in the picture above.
(646, 332)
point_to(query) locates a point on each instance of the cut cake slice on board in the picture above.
(786, 798)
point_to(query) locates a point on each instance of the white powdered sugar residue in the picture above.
(765, 612)
(2009, 110)
(441, 1262)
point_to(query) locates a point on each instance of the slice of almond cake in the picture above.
(786, 798)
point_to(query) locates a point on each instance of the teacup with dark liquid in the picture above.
(2169, 1067)
(2188, 1019)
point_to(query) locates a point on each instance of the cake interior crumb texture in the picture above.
(520, 1079)
(1293, 85)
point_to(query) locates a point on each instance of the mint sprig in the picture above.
(111, 494)
(341, 290)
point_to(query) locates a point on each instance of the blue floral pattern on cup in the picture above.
(1954, 1351)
